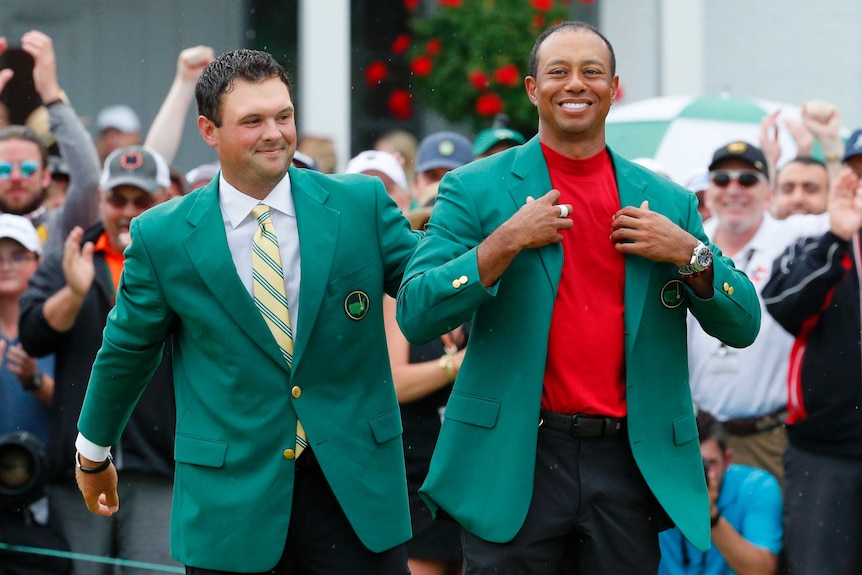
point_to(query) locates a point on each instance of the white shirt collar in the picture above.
(238, 205)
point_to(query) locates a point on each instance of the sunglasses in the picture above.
(27, 167)
(746, 178)
(141, 201)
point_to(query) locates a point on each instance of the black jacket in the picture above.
(147, 443)
(814, 294)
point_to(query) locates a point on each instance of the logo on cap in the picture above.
(446, 148)
(131, 161)
(737, 147)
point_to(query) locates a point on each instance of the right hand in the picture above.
(538, 223)
(845, 204)
(78, 263)
(40, 46)
(769, 138)
(6, 73)
(192, 61)
(99, 489)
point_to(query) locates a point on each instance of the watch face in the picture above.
(704, 257)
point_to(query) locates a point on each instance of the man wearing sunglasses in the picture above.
(746, 388)
(64, 312)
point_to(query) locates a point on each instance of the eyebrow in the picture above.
(589, 62)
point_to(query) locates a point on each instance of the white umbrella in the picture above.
(682, 132)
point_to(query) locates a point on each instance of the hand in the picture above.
(20, 363)
(99, 489)
(712, 490)
(823, 120)
(803, 136)
(652, 235)
(538, 223)
(845, 204)
(769, 138)
(78, 263)
(41, 48)
(192, 61)
(6, 73)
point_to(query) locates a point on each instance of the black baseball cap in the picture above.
(741, 151)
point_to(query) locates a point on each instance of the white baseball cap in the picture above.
(20, 229)
(383, 162)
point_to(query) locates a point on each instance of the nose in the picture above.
(271, 131)
(575, 83)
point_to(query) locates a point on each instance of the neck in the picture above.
(576, 146)
(9, 312)
(731, 241)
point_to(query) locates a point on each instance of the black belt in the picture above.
(751, 425)
(580, 425)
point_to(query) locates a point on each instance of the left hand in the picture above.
(21, 364)
(652, 235)
(6, 73)
(845, 204)
(40, 46)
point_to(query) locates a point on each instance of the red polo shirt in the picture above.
(585, 370)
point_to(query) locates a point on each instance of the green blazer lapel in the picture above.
(207, 249)
(531, 179)
(317, 224)
(633, 191)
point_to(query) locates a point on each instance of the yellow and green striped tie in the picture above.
(269, 293)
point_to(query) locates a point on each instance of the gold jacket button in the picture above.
(456, 283)
(289, 454)
(726, 286)
(730, 290)
(463, 280)
(296, 392)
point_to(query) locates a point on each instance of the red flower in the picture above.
(375, 73)
(539, 21)
(507, 75)
(432, 48)
(400, 44)
(400, 104)
(411, 4)
(489, 104)
(450, 3)
(479, 80)
(543, 5)
(421, 65)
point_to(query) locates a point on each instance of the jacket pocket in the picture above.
(350, 280)
(199, 451)
(473, 410)
(386, 426)
(684, 429)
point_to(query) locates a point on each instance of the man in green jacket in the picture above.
(569, 439)
(255, 491)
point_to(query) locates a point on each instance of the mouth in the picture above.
(575, 106)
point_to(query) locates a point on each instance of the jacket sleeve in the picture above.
(37, 337)
(802, 279)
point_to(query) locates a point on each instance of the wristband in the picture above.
(98, 469)
(713, 521)
(448, 367)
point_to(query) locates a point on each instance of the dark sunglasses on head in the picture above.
(27, 167)
(746, 178)
(141, 201)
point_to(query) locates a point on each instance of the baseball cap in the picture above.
(135, 166)
(119, 117)
(492, 136)
(443, 150)
(20, 229)
(301, 160)
(854, 145)
(741, 151)
(383, 162)
(698, 181)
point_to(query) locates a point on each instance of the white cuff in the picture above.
(90, 450)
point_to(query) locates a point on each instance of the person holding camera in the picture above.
(745, 515)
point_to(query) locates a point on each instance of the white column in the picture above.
(681, 50)
(324, 73)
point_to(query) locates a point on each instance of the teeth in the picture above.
(574, 106)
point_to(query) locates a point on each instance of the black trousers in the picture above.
(591, 512)
(320, 540)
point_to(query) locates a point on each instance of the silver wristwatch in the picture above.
(701, 260)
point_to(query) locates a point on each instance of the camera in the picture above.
(22, 471)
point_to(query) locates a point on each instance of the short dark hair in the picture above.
(574, 26)
(18, 132)
(807, 161)
(219, 76)
(708, 427)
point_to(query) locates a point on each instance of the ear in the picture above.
(615, 84)
(208, 130)
(728, 458)
(46, 177)
(530, 87)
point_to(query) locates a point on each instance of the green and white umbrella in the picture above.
(682, 132)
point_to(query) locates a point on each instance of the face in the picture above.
(737, 207)
(715, 459)
(17, 264)
(112, 139)
(119, 205)
(257, 137)
(573, 91)
(24, 189)
(800, 189)
(855, 164)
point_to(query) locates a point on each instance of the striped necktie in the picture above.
(269, 293)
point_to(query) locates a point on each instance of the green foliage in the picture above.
(480, 37)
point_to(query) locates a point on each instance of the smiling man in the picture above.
(577, 267)
(267, 282)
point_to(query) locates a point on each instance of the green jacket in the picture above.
(482, 469)
(235, 396)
